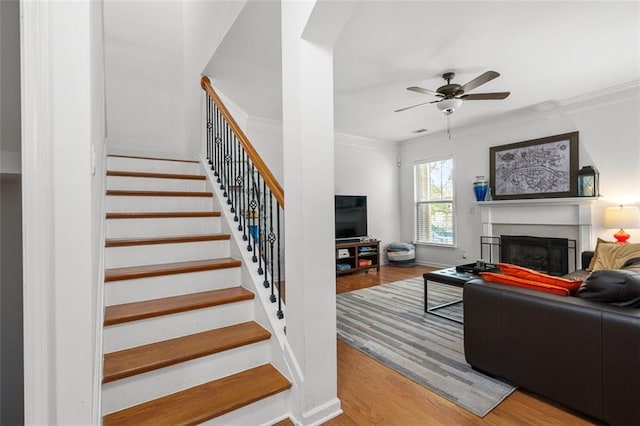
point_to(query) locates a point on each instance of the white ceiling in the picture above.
(544, 51)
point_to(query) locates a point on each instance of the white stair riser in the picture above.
(145, 165)
(136, 290)
(154, 184)
(118, 203)
(137, 333)
(154, 384)
(265, 412)
(117, 257)
(165, 227)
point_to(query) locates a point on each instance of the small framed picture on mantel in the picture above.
(538, 168)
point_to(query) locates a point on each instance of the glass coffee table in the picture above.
(455, 276)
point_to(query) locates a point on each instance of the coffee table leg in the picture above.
(433, 310)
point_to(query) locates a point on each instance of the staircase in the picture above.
(181, 342)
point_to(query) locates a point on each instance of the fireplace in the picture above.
(548, 255)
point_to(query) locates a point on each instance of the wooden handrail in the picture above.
(253, 155)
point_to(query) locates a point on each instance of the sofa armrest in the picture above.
(586, 259)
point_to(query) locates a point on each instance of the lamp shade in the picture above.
(622, 217)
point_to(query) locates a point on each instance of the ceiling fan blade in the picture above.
(485, 96)
(417, 105)
(425, 91)
(480, 80)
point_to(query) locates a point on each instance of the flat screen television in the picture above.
(351, 216)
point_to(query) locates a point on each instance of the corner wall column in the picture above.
(307, 104)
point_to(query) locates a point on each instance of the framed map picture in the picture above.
(539, 168)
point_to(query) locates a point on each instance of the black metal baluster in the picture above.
(240, 179)
(261, 225)
(231, 184)
(272, 240)
(208, 125)
(265, 252)
(253, 205)
(245, 196)
(236, 175)
(279, 313)
(218, 145)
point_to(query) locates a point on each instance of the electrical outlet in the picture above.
(464, 254)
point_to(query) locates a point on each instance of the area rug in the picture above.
(388, 323)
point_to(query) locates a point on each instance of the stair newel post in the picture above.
(272, 240)
(280, 313)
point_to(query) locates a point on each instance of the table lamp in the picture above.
(622, 217)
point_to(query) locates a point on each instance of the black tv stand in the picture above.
(358, 256)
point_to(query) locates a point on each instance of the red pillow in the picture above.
(531, 275)
(520, 282)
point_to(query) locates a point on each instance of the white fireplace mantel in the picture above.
(574, 212)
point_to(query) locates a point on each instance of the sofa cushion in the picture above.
(613, 256)
(531, 275)
(599, 243)
(618, 287)
(521, 282)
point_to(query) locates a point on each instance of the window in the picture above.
(434, 202)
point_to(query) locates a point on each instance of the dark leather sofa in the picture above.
(580, 353)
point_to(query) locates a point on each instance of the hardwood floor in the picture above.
(373, 394)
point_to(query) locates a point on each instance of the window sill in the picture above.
(436, 245)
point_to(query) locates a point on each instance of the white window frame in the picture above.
(417, 202)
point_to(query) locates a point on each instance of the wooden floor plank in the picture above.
(140, 359)
(156, 175)
(126, 242)
(204, 402)
(144, 271)
(127, 312)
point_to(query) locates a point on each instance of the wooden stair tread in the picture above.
(160, 215)
(159, 175)
(140, 193)
(118, 314)
(153, 158)
(206, 401)
(141, 359)
(125, 242)
(143, 271)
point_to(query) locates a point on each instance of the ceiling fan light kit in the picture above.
(448, 106)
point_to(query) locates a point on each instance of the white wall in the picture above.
(144, 77)
(369, 167)
(62, 111)
(155, 52)
(609, 134)
(204, 25)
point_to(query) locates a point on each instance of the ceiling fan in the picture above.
(451, 95)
